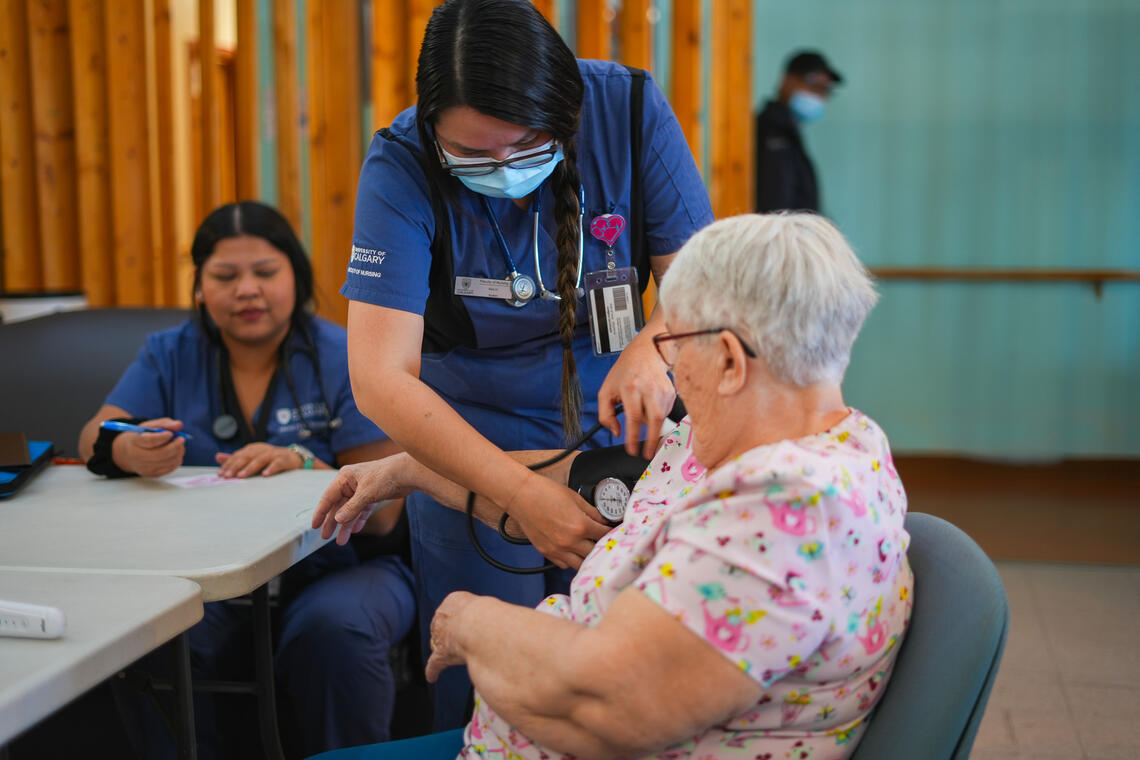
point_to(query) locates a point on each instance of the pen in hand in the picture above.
(126, 427)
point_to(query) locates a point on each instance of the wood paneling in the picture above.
(335, 144)
(285, 80)
(247, 105)
(686, 71)
(54, 143)
(636, 34)
(129, 153)
(210, 107)
(392, 83)
(19, 213)
(95, 194)
(546, 8)
(418, 13)
(594, 33)
(163, 199)
(731, 176)
(89, 89)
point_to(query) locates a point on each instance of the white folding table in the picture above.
(231, 539)
(112, 620)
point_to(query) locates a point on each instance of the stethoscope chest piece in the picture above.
(522, 289)
(225, 427)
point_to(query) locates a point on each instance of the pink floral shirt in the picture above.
(790, 560)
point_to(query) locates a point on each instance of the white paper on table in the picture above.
(199, 481)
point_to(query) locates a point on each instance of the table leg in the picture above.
(263, 669)
(184, 699)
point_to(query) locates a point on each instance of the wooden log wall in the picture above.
(122, 123)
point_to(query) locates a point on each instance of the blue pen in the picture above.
(126, 427)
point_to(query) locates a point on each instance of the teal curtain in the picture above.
(983, 133)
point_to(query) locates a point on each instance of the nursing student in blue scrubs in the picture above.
(467, 326)
(261, 386)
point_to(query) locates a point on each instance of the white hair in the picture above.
(789, 284)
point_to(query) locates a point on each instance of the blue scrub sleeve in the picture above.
(676, 202)
(141, 389)
(392, 230)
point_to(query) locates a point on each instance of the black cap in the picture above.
(810, 62)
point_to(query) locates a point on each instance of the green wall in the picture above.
(984, 133)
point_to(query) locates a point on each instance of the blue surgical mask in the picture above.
(506, 181)
(806, 106)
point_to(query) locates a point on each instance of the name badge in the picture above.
(482, 287)
(613, 302)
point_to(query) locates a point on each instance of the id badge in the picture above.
(614, 304)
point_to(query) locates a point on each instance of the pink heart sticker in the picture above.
(607, 228)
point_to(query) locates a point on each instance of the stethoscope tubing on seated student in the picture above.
(226, 426)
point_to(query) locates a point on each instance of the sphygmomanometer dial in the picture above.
(610, 497)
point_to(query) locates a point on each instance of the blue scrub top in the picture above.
(176, 375)
(509, 388)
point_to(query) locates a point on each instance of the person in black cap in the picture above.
(785, 176)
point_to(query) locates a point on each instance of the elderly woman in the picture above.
(752, 600)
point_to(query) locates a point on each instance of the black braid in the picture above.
(566, 183)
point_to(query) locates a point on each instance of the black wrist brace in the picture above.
(101, 462)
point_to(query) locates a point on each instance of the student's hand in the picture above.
(151, 455)
(560, 524)
(255, 458)
(640, 382)
(445, 625)
(356, 492)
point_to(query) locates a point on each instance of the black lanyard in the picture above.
(230, 405)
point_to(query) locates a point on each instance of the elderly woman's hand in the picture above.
(445, 648)
(356, 492)
(640, 382)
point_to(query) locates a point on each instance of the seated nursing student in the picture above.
(261, 385)
(753, 598)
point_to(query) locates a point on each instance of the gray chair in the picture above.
(936, 697)
(59, 368)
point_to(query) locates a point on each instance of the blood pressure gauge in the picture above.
(610, 497)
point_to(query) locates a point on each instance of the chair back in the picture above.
(936, 696)
(58, 369)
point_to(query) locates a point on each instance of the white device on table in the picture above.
(31, 621)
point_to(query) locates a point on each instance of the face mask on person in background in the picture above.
(506, 181)
(806, 106)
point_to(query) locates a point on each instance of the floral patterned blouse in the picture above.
(790, 560)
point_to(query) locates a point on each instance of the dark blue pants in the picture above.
(444, 561)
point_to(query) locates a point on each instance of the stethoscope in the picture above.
(523, 289)
(226, 426)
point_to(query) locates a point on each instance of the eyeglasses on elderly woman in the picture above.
(667, 347)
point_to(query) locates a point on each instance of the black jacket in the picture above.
(785, 177)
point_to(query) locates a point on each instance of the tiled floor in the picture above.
(1069, 684)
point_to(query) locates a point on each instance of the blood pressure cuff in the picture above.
(589, 467)
(101, 461)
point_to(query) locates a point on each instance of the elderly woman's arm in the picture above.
(638, 681)
(359, 489)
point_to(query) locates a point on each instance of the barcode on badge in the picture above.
(613, 318)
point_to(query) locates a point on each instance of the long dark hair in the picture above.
(258, 220)
(504, 59)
